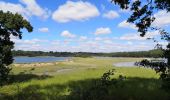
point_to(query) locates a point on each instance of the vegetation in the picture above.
(143, 16)
(81, 78)
(152, 53)
(84, 81)
(10, 25)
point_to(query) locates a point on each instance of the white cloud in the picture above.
(164, 44)
(28, 42)
(110, 46)
(108, 41)
(77, 11)
(101, 39)
(111, 14)
(31, 8)
(98, 39)
(124, 10)
(131, 36)
(35, 9)
(152, 34)
(90, 45)
(67, 34)
(82, 38)
(129, 42)
(14, 8)
(136, 36)
(31, 45)
(102, 30)
(125, 24)
(55, 42)
(11, 7)
(162, 19)
(43, 29)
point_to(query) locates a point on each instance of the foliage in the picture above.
(160, 67)
(143, 16)
(152, 53)
(99, 89)
(157, 53)
(143, 12)
(10, 25)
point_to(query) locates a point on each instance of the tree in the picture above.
(10, 25)
(143, 16)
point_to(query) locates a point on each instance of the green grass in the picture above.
(30, 84)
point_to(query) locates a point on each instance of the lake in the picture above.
(39, 59)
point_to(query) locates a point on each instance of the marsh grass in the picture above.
(80, 83)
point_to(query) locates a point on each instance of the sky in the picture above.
(81, 26)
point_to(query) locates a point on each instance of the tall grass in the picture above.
(140, 83)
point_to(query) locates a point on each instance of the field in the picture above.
(77, 79)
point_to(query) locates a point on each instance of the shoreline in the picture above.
(39, 64)
(40, 59)
(42, 64)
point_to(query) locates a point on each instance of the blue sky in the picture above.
(80, 25)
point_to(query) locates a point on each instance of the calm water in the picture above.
(125, 64)
(39, 59)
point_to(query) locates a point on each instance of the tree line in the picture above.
(151, 53)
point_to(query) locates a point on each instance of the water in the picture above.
(39, 59)
(125, 64)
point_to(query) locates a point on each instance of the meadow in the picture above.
(80, 78)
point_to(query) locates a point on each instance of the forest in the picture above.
(151, 53)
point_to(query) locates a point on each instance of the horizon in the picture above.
(86, 52)
(81, 26)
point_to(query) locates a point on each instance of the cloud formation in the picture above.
(136, 36)
(75, 11)
(111, 14)
(102, 30)
(162, 19)
(26, 8)
(67, 34)
(82, 38)
(125, 24)
(43, 29)
(89, 45)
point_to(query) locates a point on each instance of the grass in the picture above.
(77, 80)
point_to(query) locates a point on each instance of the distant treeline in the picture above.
(151, 53)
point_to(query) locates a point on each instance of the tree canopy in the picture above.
(10, 25)
(143, 16)
(151, 53)
(143, 13)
